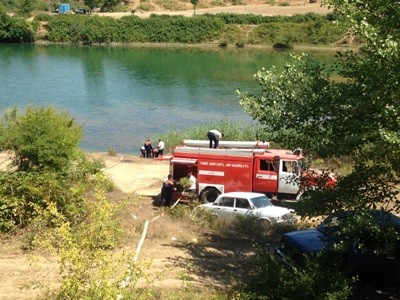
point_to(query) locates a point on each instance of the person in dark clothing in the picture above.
(167, 189)
(148, 148)
(142, 152)
(214, 136)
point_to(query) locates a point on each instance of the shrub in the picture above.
(51, 169)
(239, 44)
(297, 33)
(15, 30)
(42, 138)
(43, 17)
(89, 270)
(270, 278)
(111, 151)
(156, 29)
(24, 195)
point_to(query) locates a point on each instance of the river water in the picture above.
(123, 95)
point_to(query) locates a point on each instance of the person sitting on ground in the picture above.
(214, 136)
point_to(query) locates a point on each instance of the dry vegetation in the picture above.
(182, 257)
(144, 8)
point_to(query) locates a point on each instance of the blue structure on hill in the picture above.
(64, 8)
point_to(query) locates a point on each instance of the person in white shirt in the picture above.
(192, 187)
(214, 136)
(160, 147)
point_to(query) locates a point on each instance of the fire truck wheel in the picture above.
(209, 195)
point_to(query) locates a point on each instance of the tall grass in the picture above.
(233, 131)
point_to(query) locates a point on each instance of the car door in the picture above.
(242, 206)
(225, 206)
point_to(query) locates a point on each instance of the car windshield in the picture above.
(261, 201)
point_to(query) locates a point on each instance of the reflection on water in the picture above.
(122, 95)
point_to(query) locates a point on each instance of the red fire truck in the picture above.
(238, 166)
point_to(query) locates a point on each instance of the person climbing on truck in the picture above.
(214, 136)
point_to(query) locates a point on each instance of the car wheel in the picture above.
(265, 223)
(209, 195)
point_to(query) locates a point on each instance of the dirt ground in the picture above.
(177, 255)
(174, 251)
(251, 7)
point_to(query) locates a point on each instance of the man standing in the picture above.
(167, 189)
(161, 146)
(148, 148)
(192, 187)
(214, 136)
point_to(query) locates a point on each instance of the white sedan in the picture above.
(255, 204)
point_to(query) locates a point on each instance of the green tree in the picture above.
(41, 138)
(194, 2)
(15, 30)
(110, 4)
(355, 112)
(93, 3)
(25, 7)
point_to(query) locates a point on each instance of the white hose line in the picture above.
(139, 246)
(177, 201)
(125, 283)
(116, 163)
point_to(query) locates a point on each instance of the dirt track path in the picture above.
(301, 7)
(132, 174)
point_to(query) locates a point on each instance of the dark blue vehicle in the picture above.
(81, 11)
(367, 254)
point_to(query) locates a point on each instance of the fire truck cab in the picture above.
(238, 166)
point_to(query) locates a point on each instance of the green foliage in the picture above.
(273, 279)
(88, 269)
(93, 3)
(156, 29)
(26, 7)
(15, 30)
(194, 2)
(193, 214)
(303, 105)
(297, 33)
(50, 171)
(41, 138)
(43, 17)
(24, 195)
(184, 182)
(356, 117)
(111, 151)
(237, 2)
(252, 19)
(103, 5)
(7, 5)
(298, 29)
